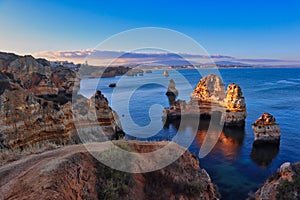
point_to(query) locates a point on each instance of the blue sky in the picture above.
(248, 29)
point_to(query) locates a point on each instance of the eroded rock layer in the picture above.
(266, 129)
(208, 98)
(209, 89)
(36, 104)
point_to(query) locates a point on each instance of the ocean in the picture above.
(234, 164)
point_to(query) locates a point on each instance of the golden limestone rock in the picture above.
(235, 106)
(266, 129)
(210, 89)
(209, 97)
(234, 100)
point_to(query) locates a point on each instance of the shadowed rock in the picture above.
(172, 92)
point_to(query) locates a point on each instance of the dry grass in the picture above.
(9, 155)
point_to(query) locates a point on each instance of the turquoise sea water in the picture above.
(234, 164)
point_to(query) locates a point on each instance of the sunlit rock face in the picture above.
(208, 98)
(266, 129)
(234, 100)
(209, 89)
(235, 106)
(36, 104)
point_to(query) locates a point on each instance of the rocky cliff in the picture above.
(283, 184)
(72, 173)
(36, 103)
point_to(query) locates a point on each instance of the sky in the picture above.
(245, 29)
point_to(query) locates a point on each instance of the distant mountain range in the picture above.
(116, 58)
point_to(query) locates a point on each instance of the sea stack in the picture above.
(266, 129)
(172, 92)
(209, 97)
(210, 89)
(166, 73)
(235, 106)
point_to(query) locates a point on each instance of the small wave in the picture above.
(295, 79)
(287, 82)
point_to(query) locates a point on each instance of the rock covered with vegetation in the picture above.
(282, 185)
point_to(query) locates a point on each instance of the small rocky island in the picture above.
(209, 97)
(266, 129)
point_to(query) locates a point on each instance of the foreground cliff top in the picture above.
(71, 173)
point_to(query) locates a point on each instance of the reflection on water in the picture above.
(263, 154)
(229, 142)
(228, 145)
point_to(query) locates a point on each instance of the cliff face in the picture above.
(72, 173)
(35, 103)
(284, 184)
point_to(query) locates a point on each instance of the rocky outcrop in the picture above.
(210, 89)
(209, 98)
(72, 173)
(283, 184)
(266, 129)
(235, 106)
(234, 100)
(35, 104)
(172, 92)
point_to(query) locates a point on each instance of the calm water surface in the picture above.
(234, 164)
